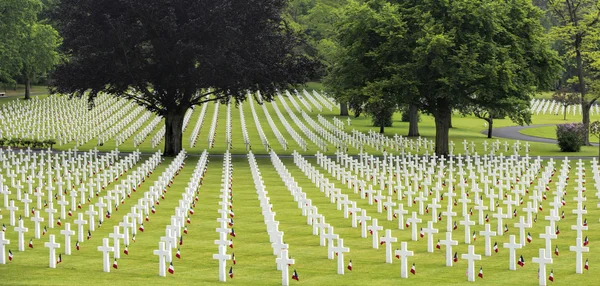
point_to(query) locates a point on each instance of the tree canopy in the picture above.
(447, 55)
(171, 55)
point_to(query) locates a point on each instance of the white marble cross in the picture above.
(80, 222)
(578, 249)
(52, 246)
(3, 243)
(106, 250)
(116, 236)
(162, 254)
(67, 232)
(512, 257)
(340, 250)
(222, 257)
(403, 253)
(413, 222)
(374, 228)
(284, 261)
(36, 224)
(363, 222)
(467, 223)
(21, 230)
(387, 239)
(471, 257)
(448, 242)
(430, 230)
(548, 236)
(521, 225)
(400, 212)
(487, 233)
(542, 260)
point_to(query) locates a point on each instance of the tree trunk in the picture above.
(585, 112)
(490, 122)
(381, 126)
(565, 112)
(343, 108)
(173, 132)
(413, 127)
(27, 87)
(450, 121)
(442, 126)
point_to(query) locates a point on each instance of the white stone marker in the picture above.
(284, 261)
(80, 222)
(487, 233)
(67, 232)
(448, 242)
(222, 256)
(21, 230)
(375, 228)
(471, 257)
(106, 250)
(512, 246)
(116, 236)
(162, 254)
(340, 250)
(3, 243)
(542, 260)
(388, 239)
(403, 253)
(579, 249)
(52, 246)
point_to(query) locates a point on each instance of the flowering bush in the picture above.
(570, 137)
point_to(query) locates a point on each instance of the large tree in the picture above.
(578, 34)
(171, 55)
(28, 46)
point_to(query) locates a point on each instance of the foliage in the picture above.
(570, 136)
(27, 142)
(171, 55)
(577, 32)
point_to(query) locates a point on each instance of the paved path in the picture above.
(512, 132)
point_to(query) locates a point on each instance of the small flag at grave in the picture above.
(584, 221)
(185, 230)
(58, 222)
(77, 245)
(147, 218)
(231, 272)
(541, 208)
(440, 217)
(141, 227)
(427, 209)
(133, 237)
(126, 250)
(79, 206)
(70, 213)
(89, 234)
(474, 236)
(455, 202)
(480, 272)
(191, 210)
(556, 250)
(350, 265)
(521, 261)
(295, 276)
(3, 227)
(422, 234)
(529, 239)
(438, 246)
(563, 201)
(470, 211)
(551, 277)
(455, 258)
(31, 243)
(178, 254)
(413, 269)
(233, 258)
(107, 214)
(515, 213)
(562, 215)
(172, 269)
(10, 256)
(455, 226)
(189, 220)
(153, 209)
(487, 218)
(557, 230)
(496, 247)
(586, 266)
(44, 231)
(521, 201)
(586, 241)
(230, 222)
(535, 218)
(505, 227)
(32, 210)
(59, 259)
(407, 224)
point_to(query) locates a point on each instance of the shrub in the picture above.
(406, 115)
(570, 137)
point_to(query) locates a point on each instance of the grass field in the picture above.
(255, 261)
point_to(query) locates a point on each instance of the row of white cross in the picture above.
(199, 122)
